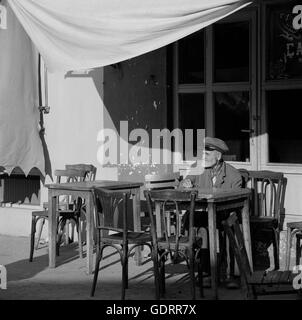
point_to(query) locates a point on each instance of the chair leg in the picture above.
(124, 261)
(250, 293)
(40, 232)
(72, 231)
(192, 274)
(154, 256)
(32, 238)
(162, 275)
(222, 261)
(61, 226)
(66, 232)
(276, 249)
(200, 276)
(288, 248)
(96, 271)
(298, 250)
(79, 231)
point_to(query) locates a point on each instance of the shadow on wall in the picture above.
(133, 91)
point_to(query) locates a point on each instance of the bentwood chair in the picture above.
(90, 174)
(88, 168)
(259, 282)
(293, 229)
(162, 182)
(178, 245)
(267, 207)
(113, 231)
(67, 210)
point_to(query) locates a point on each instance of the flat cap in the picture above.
(216, 144)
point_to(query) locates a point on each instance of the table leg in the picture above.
(137, 222)
(246, 230)
(159, 230)
(52, 229)
(89, 231)
(288, 248)
(213, 247)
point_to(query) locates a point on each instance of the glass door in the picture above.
(281, 84)
(234, 87)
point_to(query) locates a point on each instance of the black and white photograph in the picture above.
(150, 152)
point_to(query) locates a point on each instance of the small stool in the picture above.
(293, 229)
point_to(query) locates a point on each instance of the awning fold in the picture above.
(81, 34)
(20, 144)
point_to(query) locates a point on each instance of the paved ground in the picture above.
(69, 280)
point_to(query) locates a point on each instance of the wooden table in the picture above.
(84, 190)
(214, 201)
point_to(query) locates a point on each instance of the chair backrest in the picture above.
(268, 193)
(171, 200)
(88, 168)
(111, 210)
(161, 182)
(232, 229)
(69, 176)
(245, 177)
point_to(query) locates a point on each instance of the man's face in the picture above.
(210, 158)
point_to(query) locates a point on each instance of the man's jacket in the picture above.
(227, 178)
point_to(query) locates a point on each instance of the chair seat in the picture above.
(44, 213)
(295, 225)
(182, 244)
(41, 213)
(67, 214)
(268, 222)
(133, 238)
(61, 206)
(272, 278)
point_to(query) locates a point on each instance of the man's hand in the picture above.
(186, 183)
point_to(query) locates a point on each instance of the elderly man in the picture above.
(217, 174)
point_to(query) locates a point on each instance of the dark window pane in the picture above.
(231, 52)
(284, 126)
(191, 58)
(231, 117)
(191, 114)
(284, 54)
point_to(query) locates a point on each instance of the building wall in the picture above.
(135, 91)
(83, 103)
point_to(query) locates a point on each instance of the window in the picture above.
(242, 79)
(284, 50)
(282, 84)
(191, 111)
(231, 52)
(284, 126)
(191, 58)
(232, 123)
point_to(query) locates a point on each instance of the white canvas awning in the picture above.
(76, 35)
(20, 144)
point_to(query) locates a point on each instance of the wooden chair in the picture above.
(113, 231)
(293, 229)
(161, 182)
(88, 168)
(178, 246)
(89, 176)
(267, 205)
(66, 210)
(259, 282)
